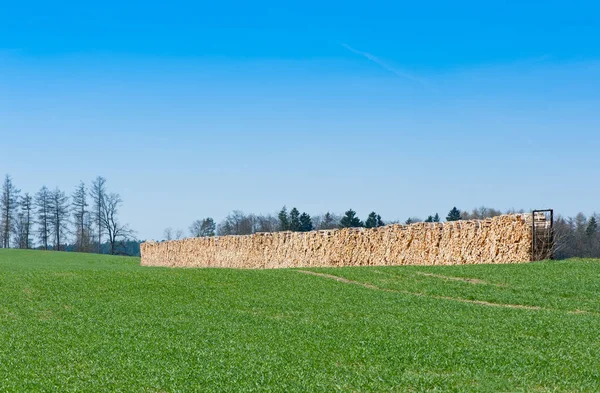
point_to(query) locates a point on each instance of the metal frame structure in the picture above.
(542, 238)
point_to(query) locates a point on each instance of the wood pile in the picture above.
(502, 239)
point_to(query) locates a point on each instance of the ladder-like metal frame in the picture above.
(547, 247)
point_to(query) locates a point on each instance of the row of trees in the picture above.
(51, 219)
(577, 236)
(239, 223)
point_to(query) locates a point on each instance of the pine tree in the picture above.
(306, 224)
(453, 215)
(429, 219)
(208, 227)
(294, 220)
(350, 220)
(436, 218)
(373, 221)
(284, 220)
(592, 227)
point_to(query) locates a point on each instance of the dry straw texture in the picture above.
(503, 239)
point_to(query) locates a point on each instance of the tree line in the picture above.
(87, 220)
(239, 223)
(577, 236)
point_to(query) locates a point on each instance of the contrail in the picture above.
(386, 66)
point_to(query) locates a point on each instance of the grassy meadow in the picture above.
(89, 323)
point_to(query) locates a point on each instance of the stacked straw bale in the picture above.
(503, 239)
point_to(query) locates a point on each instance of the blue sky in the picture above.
(193, 110)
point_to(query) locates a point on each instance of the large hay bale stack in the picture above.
(503, 239)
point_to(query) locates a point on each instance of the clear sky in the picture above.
(193, 109)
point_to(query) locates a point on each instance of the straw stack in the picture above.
(503, 239)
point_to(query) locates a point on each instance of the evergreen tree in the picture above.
(203, 228)
(592, 227)
(350, 220)
(453, 215)
(436, 218)
(294, 220)
(306, 224)
(284, 220)
(373, 221)
(208, 227)
(429, 219)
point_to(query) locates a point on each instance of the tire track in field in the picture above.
(455, 299)
(467, 280)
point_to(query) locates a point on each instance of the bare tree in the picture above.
(80, 214)
(43, 215)
(267, 223)
(88, 242)
(327, 221)
(179, 234)
(8, 204)
(24, 222)
(237, 223)
(19, 231)
(480, 213)
(59, 211)
(168, 234)
(203, 228)
(98, 194)
(115, 231)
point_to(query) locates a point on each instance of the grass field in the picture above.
(89, 323)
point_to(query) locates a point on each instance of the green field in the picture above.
(89, 323)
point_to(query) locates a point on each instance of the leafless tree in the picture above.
(8, 204)
(179, 234)
(267, 223)
(327, 221)
(116, 232)
(238, 223)
(80, 213)
(59, 211)
(24, 222)
(168, 234)
(481, 213)
(43, 215)
(98, 195)
(203, 228)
